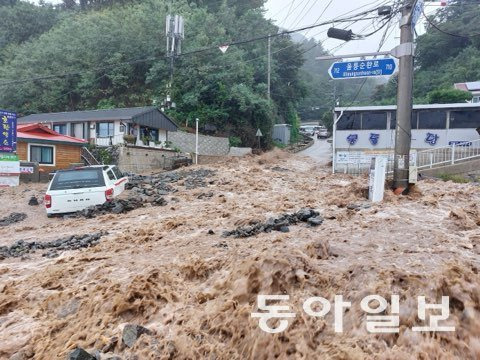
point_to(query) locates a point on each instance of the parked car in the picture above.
(307, 130)
(77, 189)
(323, 134)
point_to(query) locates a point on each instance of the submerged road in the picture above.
(321, 151)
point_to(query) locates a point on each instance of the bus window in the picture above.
(465, 119)
(413, 123)
(432, 119)
(350, 121)
(374, 121)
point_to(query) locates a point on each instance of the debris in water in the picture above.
(74, 242)
(33, 201)
(281, 224)
(12, 219)
(131, 333)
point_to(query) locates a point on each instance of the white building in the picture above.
(362, 132)
(472, 87)
(148, 126)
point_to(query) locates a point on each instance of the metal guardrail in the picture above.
(448, 155)
(438, 157)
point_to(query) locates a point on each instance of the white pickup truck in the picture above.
(77, 189)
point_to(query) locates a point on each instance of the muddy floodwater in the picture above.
(169, 269)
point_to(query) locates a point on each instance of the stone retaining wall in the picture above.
(207, 145)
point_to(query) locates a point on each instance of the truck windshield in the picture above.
(78, 179)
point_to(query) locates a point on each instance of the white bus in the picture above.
(361, 131)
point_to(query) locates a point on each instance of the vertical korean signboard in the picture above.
(8, 131)
(9, 164)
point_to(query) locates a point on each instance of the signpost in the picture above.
(376, 186)
(9, 170)
(8, 131)
(362, 68)
(259, 135)
(9, 164)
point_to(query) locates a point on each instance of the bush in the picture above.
(235, 141)
(448, 96)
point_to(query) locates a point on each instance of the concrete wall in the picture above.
(238, 151)
(464, 168)
(207, 145)
(138, 160)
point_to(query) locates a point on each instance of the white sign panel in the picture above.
(378, 170)
(26, 169)
(365, 158)
(9, 181)
(9, 168)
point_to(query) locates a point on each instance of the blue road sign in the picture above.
(8, 131)
(362, 68)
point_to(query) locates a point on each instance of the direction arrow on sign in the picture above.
(362, 68)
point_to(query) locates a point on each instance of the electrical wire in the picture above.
(288, 13)
(447, 32)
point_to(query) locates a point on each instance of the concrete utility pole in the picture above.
(269, 71)
(403, 131)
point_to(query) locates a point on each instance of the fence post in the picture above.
(431, 160)
(453, 153)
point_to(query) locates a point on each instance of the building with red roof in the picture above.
(50, 149)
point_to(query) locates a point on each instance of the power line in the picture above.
(288, 13)
(447, 32)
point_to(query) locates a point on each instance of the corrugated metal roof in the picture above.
(146, 116)
(472, 86)
(415, 107)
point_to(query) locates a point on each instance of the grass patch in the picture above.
(454, 178)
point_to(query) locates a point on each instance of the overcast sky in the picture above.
(294, 14)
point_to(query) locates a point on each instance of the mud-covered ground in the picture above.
(170, 270)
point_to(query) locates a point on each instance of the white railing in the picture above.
(448, 155)
(108, 141)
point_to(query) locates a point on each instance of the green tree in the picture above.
(448, 96)
(111, 56)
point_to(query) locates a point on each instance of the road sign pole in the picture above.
(404, 104)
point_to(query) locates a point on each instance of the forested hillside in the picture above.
(448, 53)
(103, 54)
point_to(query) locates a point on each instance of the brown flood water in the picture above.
(159, 268)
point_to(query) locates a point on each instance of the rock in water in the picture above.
(33, 201)
(80, 354)
(131, 333)
(315, 221)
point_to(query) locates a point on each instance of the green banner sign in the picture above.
(8, 157)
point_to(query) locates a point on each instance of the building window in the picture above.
(434, 119)
(465, 119)
(41, 154)
(350, 121)
(105, 129)
(374, 121)
(60, 128)
(413, 121)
